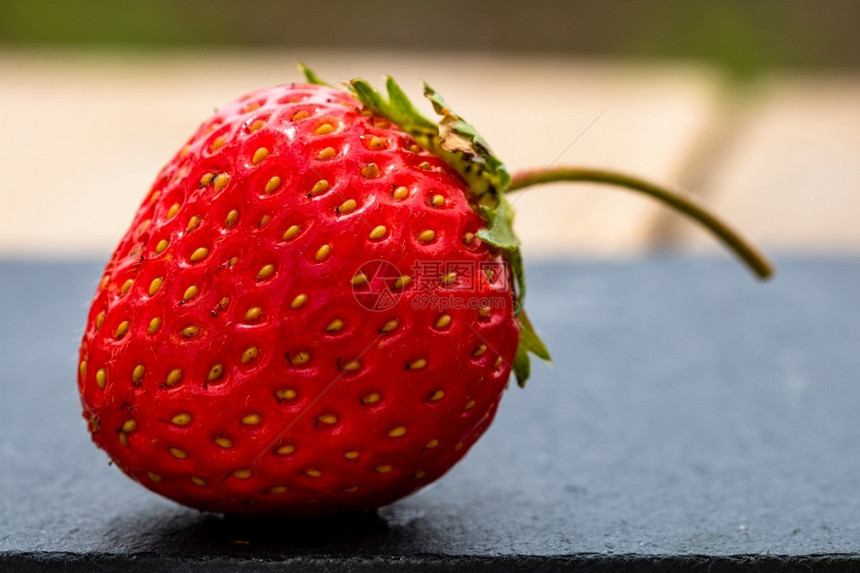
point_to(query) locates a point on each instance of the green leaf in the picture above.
(458, 136)
(310, 76)
(397, 109)
(402, 107)
(369, 97)
(439, 105)
(515, 259)
(522, 366)
(530, 342)
(530, 339)
(499, 231)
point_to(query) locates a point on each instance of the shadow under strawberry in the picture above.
(188, 534)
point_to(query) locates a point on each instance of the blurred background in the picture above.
(755, 106)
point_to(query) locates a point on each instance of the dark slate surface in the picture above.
(692, 417)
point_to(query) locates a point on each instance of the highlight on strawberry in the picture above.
(318, 304)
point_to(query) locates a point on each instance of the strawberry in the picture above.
(315, 309)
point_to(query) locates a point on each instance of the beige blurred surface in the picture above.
(791, 173)
(85, 134)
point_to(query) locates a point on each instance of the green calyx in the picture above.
(461, 146)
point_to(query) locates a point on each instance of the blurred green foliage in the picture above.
(743, 36)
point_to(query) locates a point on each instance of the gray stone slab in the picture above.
(692, 418)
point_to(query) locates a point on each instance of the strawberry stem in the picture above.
(677, 199)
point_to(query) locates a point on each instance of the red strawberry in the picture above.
(314, 310)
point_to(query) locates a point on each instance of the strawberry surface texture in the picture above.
(303, 317)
